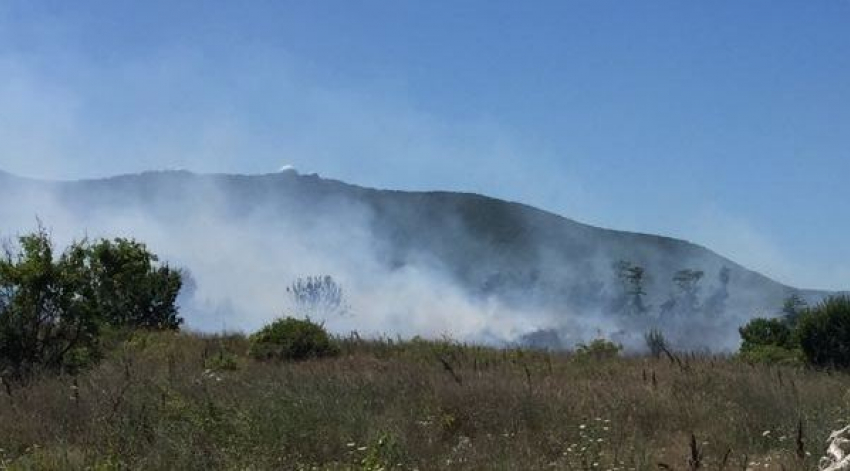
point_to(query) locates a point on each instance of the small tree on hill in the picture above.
(630, 300)
(685, 302)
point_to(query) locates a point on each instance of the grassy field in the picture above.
(186, 401)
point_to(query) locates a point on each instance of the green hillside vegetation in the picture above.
(818, 336)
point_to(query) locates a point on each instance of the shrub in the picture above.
(599, 349)
(54, 310)
(222, 361)
(129, 288)
(292, 339)
(44, 322)
(762, 332)
(823, 333)
(773, 355)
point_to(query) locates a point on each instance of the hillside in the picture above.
(483, 251)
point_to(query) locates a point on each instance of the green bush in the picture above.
(762, 332)
(45, 323)
(128, 288)
(55, 309)
(599, 349)
(292, 339)
(823, 333)
(773, 355)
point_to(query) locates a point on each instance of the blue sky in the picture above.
(723, 122)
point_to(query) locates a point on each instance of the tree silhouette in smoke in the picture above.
(630, 299)
(317, 297)
(686, 301)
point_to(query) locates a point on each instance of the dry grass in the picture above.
(183, 401)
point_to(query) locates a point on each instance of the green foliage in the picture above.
(599, 349)
(292, 339)
(44, 321)
(824, 333)
(222, 361)
(772, 355)
(763, 332)
(818, 336)
(54, 309)
(128, 289)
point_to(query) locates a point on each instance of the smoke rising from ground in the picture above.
(485, 284)
(241, 268)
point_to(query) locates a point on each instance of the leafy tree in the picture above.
(292, 339)
(823, 333)
(317, 296)
(128, 287)
(52, 309)
(760, 332)
(45, 321)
